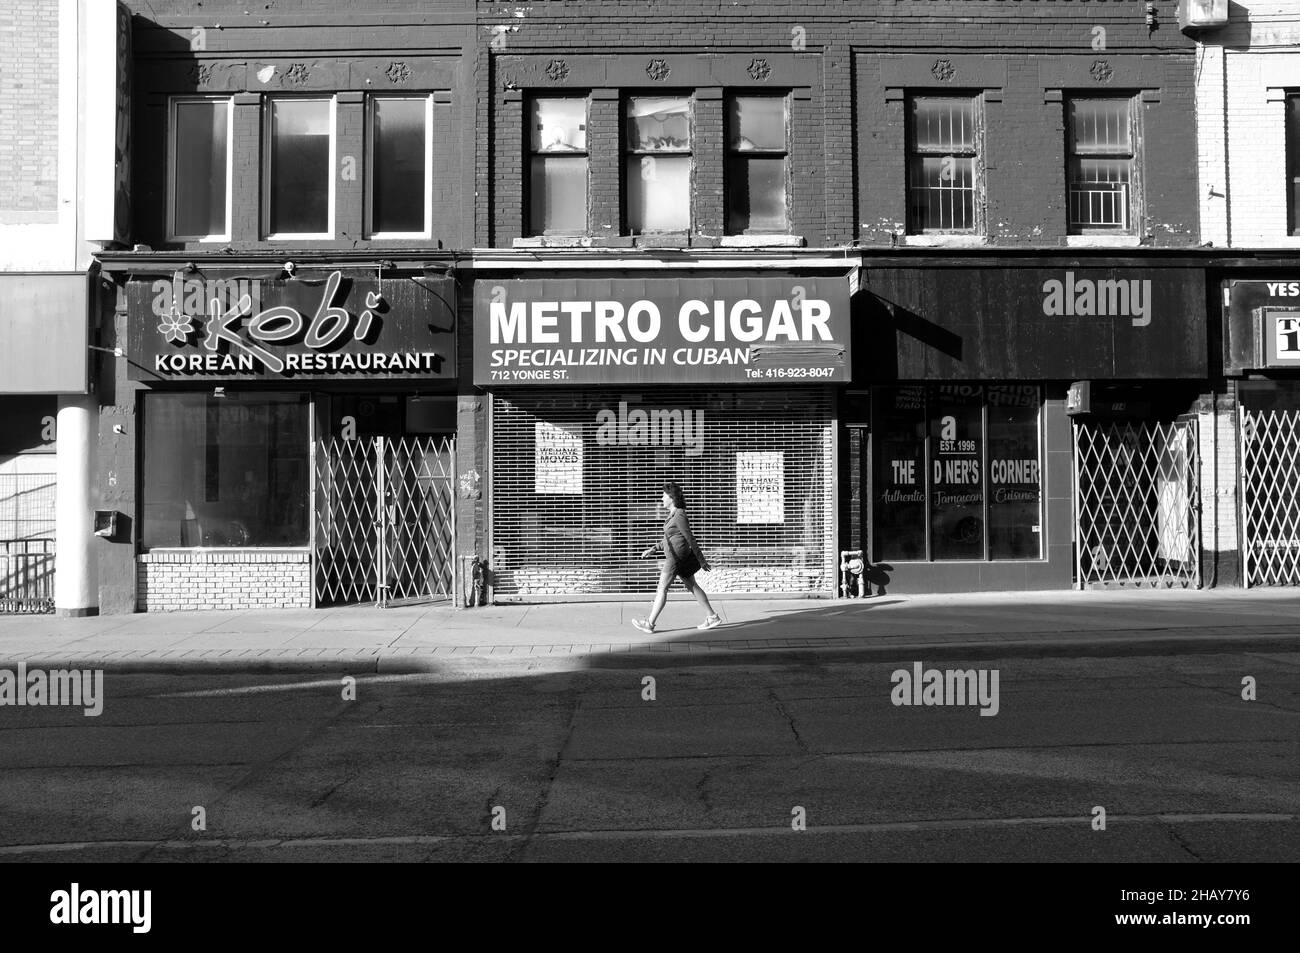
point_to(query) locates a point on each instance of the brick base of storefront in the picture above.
(224, 579)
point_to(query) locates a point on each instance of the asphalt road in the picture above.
(576, 764)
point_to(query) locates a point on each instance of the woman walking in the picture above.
(682, 557)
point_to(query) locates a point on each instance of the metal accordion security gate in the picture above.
(1270, 497)
(1136, 504)
(384, 520)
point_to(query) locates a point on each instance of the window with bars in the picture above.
(657, 170)
(1102, 165)
(943, 176)
(557, 166)
(757, 154)
(1293, 163)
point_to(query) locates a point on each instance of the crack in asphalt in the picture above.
(771, 694)
(544, 795)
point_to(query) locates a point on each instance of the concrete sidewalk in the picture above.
(599, 634)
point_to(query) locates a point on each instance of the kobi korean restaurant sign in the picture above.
(682, 330)
(332, 327)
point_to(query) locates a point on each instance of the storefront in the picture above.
(296, 438)
(966, 466)
(603, 388)
(1262, 363)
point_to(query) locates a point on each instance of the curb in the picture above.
(928, 651)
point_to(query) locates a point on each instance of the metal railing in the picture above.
(943, 207)
(1099, 205)
(1137, 504)
(26, 576)
(1270, 497)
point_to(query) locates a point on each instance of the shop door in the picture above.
(384, 525)
(1270, 494)
(1136, 504)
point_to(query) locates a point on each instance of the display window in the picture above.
(956, 472)
(226, 471)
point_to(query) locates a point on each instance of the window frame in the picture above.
(976, 153)
(267, 170)
(1133, 212)
(1291, 132)
(372, 168)
(530, 229)
(731, 156)
(173, 128)
(927, 460)
(626, 151)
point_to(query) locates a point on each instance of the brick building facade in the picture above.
(987, 201)
(1248, 122)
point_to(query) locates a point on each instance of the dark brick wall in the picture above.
(299, 48)
(1023, 56)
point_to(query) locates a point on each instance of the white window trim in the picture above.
(172, 130)
(427, 232)
(266, 169)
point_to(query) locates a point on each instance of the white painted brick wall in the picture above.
(1242, 71)
(180, 581)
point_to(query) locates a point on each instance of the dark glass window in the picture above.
(1015, 486)
(658, 164)
(557, 166)
(956, 472)
(225, 471)
(200, 177)
(1101, 170)
(898, 447)
(399, 165)
(756, 165)
(956, 477)
(942, 167)
(299, 175)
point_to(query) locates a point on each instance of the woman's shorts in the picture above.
(684, 568)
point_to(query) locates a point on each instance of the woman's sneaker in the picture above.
(709, 623)
(643, 626)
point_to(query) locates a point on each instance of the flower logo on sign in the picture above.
(658, 69)
(176, 327)
(1101, 71)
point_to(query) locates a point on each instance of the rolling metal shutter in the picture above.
(579, 526)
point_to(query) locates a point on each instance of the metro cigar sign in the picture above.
(339, 327)
(683, 330)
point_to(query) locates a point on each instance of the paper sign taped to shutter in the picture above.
(558, 464)
(760, 487)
